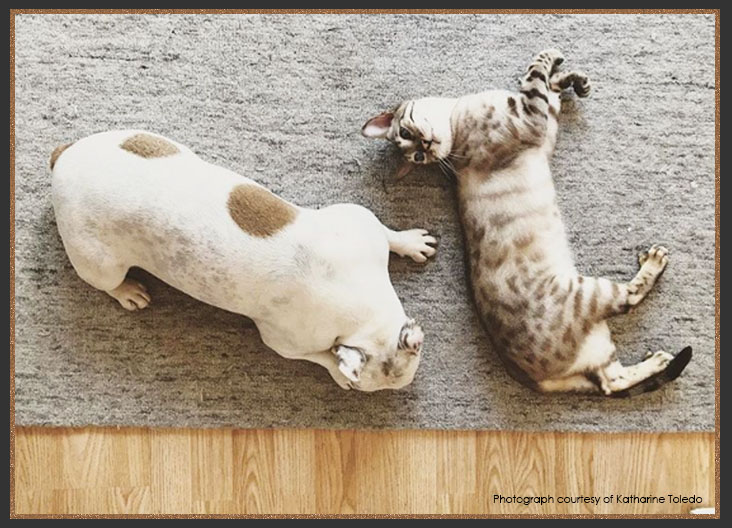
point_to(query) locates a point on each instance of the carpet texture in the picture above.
(281, 99)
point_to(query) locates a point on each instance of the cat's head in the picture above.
(375, 366)
(419, 127)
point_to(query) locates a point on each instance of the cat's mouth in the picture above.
(423, 156)
(412, 160)
(427, 152)
(417, 157)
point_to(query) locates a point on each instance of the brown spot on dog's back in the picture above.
(259, 212)
(149, 146)
(57, 152)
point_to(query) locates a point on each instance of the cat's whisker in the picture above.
(448, 169)
(449, 164)
(443, 167)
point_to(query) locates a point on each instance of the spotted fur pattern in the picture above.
(545, 319)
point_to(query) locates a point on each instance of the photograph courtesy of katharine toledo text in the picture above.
(596, 500)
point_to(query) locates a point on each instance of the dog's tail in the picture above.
(670, 373)
(57, 152)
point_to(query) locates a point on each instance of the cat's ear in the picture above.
(378, 127)
(350, 361)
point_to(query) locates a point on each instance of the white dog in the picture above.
(315, 282)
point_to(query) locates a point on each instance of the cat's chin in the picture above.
(406, 166)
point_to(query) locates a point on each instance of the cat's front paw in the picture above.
(415, 244)
(656, 258)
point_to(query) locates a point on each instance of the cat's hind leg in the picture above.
(573, 383)
(597, 369)
(594, 299)
(656, 370)
(618, 381)
(652, 264)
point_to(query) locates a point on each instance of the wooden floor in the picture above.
(305, 471)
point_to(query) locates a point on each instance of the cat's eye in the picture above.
(405, 134)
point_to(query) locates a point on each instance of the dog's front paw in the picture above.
(415, 244)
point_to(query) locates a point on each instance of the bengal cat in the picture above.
(547, 321)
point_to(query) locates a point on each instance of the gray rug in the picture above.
(282, 99)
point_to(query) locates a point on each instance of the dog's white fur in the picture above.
(318, 289)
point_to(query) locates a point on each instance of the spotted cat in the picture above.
(547, 321)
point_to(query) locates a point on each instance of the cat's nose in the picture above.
(419, 156)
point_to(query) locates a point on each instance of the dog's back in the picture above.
(131, 198)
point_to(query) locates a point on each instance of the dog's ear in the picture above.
(350, 361)
(411, 338)
(378, 127)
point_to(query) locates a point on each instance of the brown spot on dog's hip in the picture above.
(149, 146)
(259, 212)
(57, 152)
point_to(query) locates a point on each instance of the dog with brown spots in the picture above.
(547, 322)
(315, 282)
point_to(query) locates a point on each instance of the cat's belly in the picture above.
(519, 264)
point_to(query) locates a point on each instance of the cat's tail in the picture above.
(654, 382)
